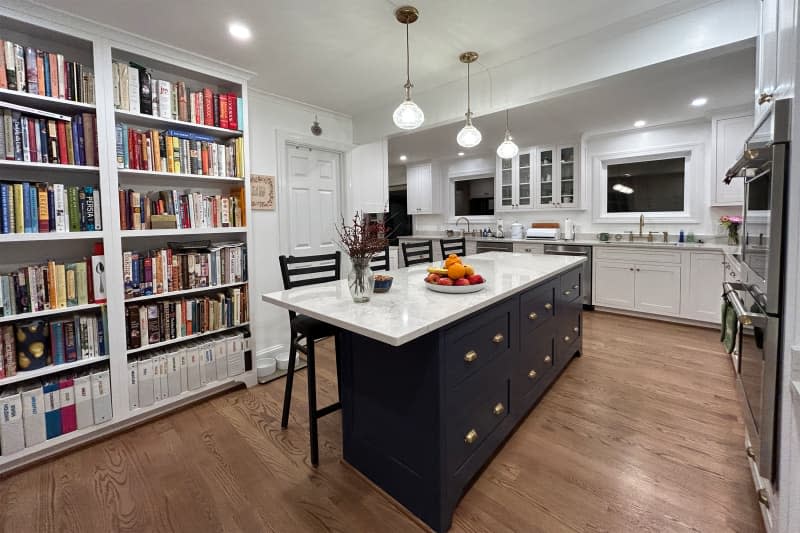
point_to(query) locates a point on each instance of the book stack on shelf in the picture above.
(38, 207)
(136, 90)
(43, 73)
(172, 209)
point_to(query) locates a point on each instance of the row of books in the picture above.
(168, 373)
(172, 319)
(42, 411)
(168, 270)
(173, 209)
(52, 285)
(137, 91)
(42, 137)
(30, 207)
(39, 343)
(44, 73)
(179, 152)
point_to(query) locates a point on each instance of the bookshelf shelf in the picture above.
(52, 236)
(44, 102)
(171, 232)
(128, 117)
(139, 174)
(6, 163)
(186, 338)
(184, 397)
(183, 292)
(52, 369)
(49, 312)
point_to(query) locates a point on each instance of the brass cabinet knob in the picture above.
(497, 339)
(576, 287)
(548, 306)
(567, 292)
(532, 374)
(548, 359)
(499, 409)
(471, 437)
(751, 453)
(533, 316)
(763, 98)
(763, 497)
(470, 356)
(567, 338)
(575, 329)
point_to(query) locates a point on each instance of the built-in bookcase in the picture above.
(98, 48)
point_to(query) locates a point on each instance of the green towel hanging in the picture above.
(731, 325)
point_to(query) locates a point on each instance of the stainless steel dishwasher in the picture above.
(494, 246)
(586, 276)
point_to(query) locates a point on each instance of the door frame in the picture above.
(283, 140)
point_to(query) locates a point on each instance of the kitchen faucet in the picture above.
(641, 224)
(458, 220)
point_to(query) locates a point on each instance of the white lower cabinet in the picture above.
(614, 285)
(706, 273)
(657, 289)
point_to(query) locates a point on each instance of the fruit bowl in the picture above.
(455, 289)
(454, 277)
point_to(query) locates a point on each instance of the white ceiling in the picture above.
(658, 94)
(348, 55)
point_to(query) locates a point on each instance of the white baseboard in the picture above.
(662, 318)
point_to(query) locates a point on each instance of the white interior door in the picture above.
(313, 200)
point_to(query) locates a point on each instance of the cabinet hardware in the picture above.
(470, 356)
(567, 292)
(471, 437)
(751, 453)
(763, 98)
(566, 338)
(497, 339)
(533, 316)
(548, 359)
(498, 409)
(575, 329)
(637, 270)
(630, 269)
(763, 497)
(532, 374)
(548, 306)
(576, 287)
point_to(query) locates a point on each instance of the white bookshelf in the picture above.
(49, 312)
(94, 45)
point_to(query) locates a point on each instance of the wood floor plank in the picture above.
(642, 433)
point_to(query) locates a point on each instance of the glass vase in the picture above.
(361, 280)
(733, 235)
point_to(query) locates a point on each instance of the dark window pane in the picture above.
(646, 186)
(475, 197)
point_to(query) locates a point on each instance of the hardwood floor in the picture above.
(642, 433)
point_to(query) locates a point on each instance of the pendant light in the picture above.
(508, 148)
(469, 136)
(408, 115)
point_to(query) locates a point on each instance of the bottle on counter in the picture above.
(681, 237)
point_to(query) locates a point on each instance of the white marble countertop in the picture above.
(410, 310)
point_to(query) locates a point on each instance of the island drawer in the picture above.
(477, 341)
(570, 330)
(571, 285)
(471, 422)
(537, 306)
(534, 364)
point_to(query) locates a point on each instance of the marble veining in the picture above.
(409, 310)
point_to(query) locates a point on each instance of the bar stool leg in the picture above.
(312, 402)
(287, 394)
(338, 366)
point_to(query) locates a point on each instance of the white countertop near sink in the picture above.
(410, 310)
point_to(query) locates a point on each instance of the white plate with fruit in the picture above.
(454, 277)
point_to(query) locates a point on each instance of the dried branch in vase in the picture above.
(362, 239)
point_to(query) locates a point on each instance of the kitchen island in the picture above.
(432, 384)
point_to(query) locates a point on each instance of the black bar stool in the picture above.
(415, 253)
(453, 246)
(380, 261)
(299, 272)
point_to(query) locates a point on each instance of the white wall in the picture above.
(269, 114)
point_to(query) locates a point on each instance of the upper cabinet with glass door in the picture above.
(566, 177)
(515, 186)
(556, 179)
(506, 183)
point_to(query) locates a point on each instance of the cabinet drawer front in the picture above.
(571, 285)
(472, 421)
(569, 335)
(638, 255)
(537, 306)
(471, 345)
(537, 355)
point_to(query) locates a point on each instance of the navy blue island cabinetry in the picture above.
(423, 418)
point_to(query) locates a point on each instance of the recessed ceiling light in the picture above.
(403, 157)
(639, 124)
(460, 154)
(239, 31)
(699, 102)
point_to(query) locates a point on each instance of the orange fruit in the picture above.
(452, 260)
(456, 271)
(468, 270)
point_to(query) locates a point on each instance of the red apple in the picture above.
(475, 279)
(462, 281)
(433, 278)
(445, 281)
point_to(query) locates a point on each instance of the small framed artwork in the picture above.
(262, 192)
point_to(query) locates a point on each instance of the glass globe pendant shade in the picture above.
(408, 115)
(469, 136)
(507, 148)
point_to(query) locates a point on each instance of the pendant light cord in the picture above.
(469, 110)
(408, 63)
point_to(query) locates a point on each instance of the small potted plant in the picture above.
(732, 223)
(361, 240)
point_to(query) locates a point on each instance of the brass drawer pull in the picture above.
(548, 359)
(575, 329)
(533, 316)
(548, 306)
(567, 338)
(470, 356)
(497, 339)
(471, 437)
(751, 453)
(763, 497)
(499, 409)
(567, 292)
(532, 374)
(576, 287)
